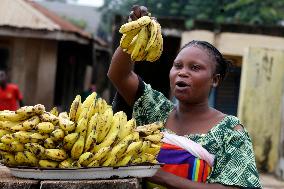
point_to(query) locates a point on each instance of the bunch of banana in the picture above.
(90, 135)
(142, 39)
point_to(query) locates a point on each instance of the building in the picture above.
(42, 53)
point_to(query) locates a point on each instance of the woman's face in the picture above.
(191, 76)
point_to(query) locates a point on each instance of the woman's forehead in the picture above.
(194, 52)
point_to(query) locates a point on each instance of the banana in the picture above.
(112, 134)
(102, 152)
(154, 30)
(92, 123)
(16, 146)
(45, 127)
(156, 49)
(130, 26)
(36, 149)
(127, 38)
(7, 139)
(9, 159)
(48, 163)
(75, 106)
(30, 123)
(155, 138)
(86, 158)
(78, 148)
(37, 137)
(21, 158)
(31, 159)
(81, 128)
(49, 143)
(28, 111)
(104, 125)
(149, 128)
(56, 154)
(4, 132)
(18, 127)
(22, 136)
(94, 163)
(124, 161)
(139, 53)
(4, 147)
(134, 147)
(100, 106)
(67, 163)
(126, 129)
(54, 111)
(48, 117)
(89, 100)
(64, 122)
(90, 141)
(69, 140)
(57, 135)
(7, 115)
(7, 125)
(115, 154)
(153, 149)
(131, 46)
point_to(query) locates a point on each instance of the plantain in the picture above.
(130, 26)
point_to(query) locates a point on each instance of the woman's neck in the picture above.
(186, 110)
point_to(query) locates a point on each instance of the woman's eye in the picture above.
(177, 65)
(195, 67)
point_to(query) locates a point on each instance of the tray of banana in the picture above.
(90, 141)
(138, 171)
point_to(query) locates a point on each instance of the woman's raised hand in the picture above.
(138, 11)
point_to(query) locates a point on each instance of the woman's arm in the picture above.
(175, 182)
(122, 76)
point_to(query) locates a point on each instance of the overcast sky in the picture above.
(95, 3)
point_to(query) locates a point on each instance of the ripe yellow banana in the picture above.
(69, 140)
(104, 125)
(156, 49)
(114, 154)
(92, 124)
(153, 149)
(57, 135)
(48, 163)
(30, 123)
(37, 137)
(18, 127)
(155, 138)
(56, 154)
(36, 149)
(89, 100)
(22, 136)
(94, 163)
(90, 141)
(85, 159)
(134, 147)
(149, 128)
(131, 46)
(78, 148)
(31, 159)
(4, 132)
(49, 143)
(28, 111)
(48, 117)
(153, 27)
(124, 161)
(7, 139)
(65, 123)
(54, 111)
(141, 22)
(21, 158)
(112, 134)
(9, 159)
(16, 146)
(4, 147)
(126, 129)
(45, 127)
(67, 163)
(102, 152)
(75, 107)
(7, 115)
(139, 53)
(7, 125)
(127, 38)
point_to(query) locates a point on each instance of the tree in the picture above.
(219, 11)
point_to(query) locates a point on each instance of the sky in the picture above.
(94, 3)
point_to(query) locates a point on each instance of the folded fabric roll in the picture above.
(192, 147)
(185, 158)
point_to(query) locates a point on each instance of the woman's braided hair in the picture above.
(222, 65)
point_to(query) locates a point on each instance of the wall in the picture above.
(33, 68)
(261, 102)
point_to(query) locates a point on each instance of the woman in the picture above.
(198, 67)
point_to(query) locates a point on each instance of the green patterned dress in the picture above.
(234, 157)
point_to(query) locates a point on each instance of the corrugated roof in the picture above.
(28, 14)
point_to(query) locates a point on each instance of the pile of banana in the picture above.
(90, 135)
(142, 39)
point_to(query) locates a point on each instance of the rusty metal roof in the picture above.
(29, 15)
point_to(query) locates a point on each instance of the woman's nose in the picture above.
(182, 73)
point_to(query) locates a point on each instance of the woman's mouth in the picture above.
(182, 85)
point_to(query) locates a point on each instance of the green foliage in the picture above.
(79, 23)
(269, 12)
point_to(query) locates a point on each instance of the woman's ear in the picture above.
(216, 80)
